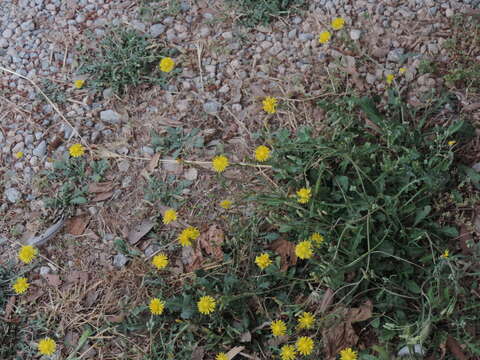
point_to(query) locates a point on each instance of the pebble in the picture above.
(355, 34)
(41, 149)
(45, 270)
(157, 30)
(13, 195)
(212, 107)
(110, 116)
(148, 150)
(395, 55)
(119, 261)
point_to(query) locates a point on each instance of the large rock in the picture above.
(110, 116)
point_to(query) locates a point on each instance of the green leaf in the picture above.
(78, 200)
(413, 287)
(449, 231)
(422, 214)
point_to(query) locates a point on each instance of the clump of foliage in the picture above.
(255, 12)
(123, 58)
(376, 199)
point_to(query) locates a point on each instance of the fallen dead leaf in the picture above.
(139, 231)
(235, 351)
(464, 238)
(211, 241)
(9, 307)
(362, 313)
(190, 174)
(76, 276)
(286, 250)
(455, 349)
(198, 353)
(326, 301)
(103, 196)
(102, 187)
(192, 258)
(77, 224)
(53, 280)
(246, 337)
(115, 318)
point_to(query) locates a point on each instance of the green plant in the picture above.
(53, 91)
(427, 66)
(255, 12)
(176, 142)
(156, 10)
(168, 192)
(376, 193)
(124, 58)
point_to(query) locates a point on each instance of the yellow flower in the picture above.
(21, 285)
(220, 163)
(47, 346)
(288, 352)
(304, 345)
(226, 204)
(19, 155)
(166, 64)
(389, 78)
(304, 195)
(76, 150)
(338, 23)
(169, 216)
(402, 70)
(262, 153)
(270, 105)
(317, 238)
(306, 320)
(451, 142)
(263, 261)
(221, 356)
(156, 306)
(278, 328)
(304, 250)
(206, 305)
(27, 253)
(324, 37)
(187, 235)
(79, 83)
(446, 254)
(348, 354)
(160, 261)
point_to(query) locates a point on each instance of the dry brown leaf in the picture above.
(103, 196)
(362, 313)
(455, 349)
(286, 250)
(102, 187)
(139, 231)
(9, 307)
(192, 258)
(246, 337)
(76, 276)
(198, 353)
(212, 241)
(153, 163)
(464, 238)
(235, 351)
(53, 280)
(115, 318)
(77, 224)
(326, 301)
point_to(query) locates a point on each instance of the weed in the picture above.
(168, 192)
(255, 12)
(124, 58)
(53, 91)
(427, 66)
(175, 142)
(156, 10)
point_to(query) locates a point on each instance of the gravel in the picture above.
(12, 195)
(110, 116)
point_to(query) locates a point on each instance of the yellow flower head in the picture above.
(338, 23)
(76, 150)
(166, 64)
(79, 83)
(270, 105)
(47, 346)
(263, 261)
(206, 305)
(27, 253)
(221, 356)
(220, 163)
(288, 352)
(389, 78)
(304, 345)
(304, 195)
(304, 250)
(188, 235)
(169, 216)
(262, 153)
(451, 142)
(402, 70)
(18, 155)
(278, 328)
(348, 354)
(445, 255)
(160, 261)
(306, 320)
(20, 285)
(317, 238)
(324, 37)
(156, 306)
(226, 204)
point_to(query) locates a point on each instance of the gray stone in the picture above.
(18, 147)
(157, 30)
(395, 55)
(110, 116)
(80, 18)
(355, 34)
(305, 37)
(227, 35)
(148, 150)
(28, 25)
(45, 270)
(212, 107)
(13, 195)
(3, 43)
(40, 149)
(7, 34)
(119, 261)
(28, 140)
(292, 34)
